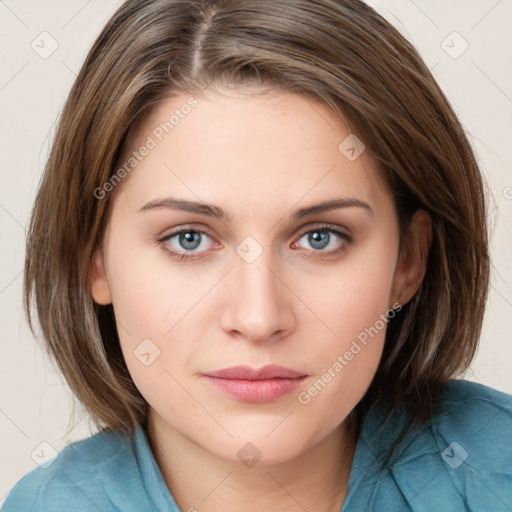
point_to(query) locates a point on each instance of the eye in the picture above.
(188, 242)
(325, 239)
(185, 241)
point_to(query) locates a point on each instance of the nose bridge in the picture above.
(259, 306)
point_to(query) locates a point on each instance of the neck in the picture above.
(200, 481)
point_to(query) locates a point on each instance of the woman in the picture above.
(259, 256)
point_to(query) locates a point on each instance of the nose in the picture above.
(259, 307)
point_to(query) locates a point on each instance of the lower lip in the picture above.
(256, 391)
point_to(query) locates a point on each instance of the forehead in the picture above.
(249, 149)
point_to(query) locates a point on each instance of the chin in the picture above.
(252, 445)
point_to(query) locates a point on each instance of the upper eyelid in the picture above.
(185, 229)
(324, 227)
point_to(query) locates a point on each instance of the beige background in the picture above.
(34, 402)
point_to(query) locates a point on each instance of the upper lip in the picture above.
(271, 371)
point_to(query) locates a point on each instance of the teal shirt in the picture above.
(461, 460)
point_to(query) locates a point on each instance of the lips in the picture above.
(271, 371)
(259, 385)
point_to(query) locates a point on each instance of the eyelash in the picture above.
(324, 228)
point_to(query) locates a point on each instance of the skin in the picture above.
(260, 157)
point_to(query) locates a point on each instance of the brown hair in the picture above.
(339, 52)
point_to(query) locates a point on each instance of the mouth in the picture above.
(259, 385)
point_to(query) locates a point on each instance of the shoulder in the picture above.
(464, 452)
(459, 460)
(477, 414)
(74, 479)
(472, 431)
(475, 394)
(473, 425)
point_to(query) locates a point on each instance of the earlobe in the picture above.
(412, 262)
(100, 288)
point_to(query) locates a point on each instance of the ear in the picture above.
(100, 289)
(412, 260)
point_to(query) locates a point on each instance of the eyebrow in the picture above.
(221, 214)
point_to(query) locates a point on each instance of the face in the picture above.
(261, 276)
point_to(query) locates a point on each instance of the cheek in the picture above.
(149, 292)
(156, 305)
(346, 363)
(354, 307)
(354, 295)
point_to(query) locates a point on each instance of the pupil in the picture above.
(189, 240)
(316, 239)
